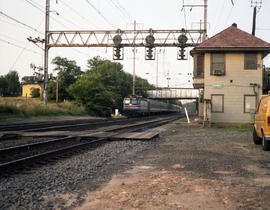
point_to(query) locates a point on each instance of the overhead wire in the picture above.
(37, 7)
(34, 2)
(78, 13)
(100, 13)
(120, 10)
(219, 15)
(6, 36)
(10, 43)
(124, 9)
(230, 12)
(20, 22)
(59, 22)
(18, 57)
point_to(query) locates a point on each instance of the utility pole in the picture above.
(46, 53)
(157, 71)
(255, 4)
(205, 5)
(205, 20)
(56, 91)
(254, 21)
(134, 60)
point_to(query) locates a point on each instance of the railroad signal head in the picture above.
(182, 39)
(150, 40)
(117, 39)
(149, 53)
(181, 54)
(118, 53)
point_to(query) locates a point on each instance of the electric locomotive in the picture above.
(137, 105)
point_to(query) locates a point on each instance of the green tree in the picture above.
(94, 62)
(3, 86)
(91, 93)
(13, 82)
(142, 86)
(68, 72)
(266, 80)
(51, 91)
(104, 86)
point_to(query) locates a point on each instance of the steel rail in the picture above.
(21, 162)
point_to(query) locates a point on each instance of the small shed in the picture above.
(27, 88)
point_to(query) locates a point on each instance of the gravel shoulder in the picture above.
(188, 167)
(191, 168)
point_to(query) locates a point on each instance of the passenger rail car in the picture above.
(137, 105)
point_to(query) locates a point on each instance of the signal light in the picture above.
(150, 40)
(149, 53)
(118, 54)
(182, 39)
(181, 54)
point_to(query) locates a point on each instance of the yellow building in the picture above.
(26, 89)
(228, 70)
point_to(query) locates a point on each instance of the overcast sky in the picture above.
(17, 53)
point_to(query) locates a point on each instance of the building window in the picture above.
(251, 61)
(249, 103)
(217, 101)
(218, 64)
(199, 66)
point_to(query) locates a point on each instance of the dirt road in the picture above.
(191, 167)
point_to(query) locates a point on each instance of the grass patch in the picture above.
(33, 108)
(240, 128)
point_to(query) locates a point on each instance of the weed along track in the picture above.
(21, 156)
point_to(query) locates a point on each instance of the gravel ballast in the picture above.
(223, 162)
(36, 188)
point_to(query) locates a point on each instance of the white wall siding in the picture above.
(234, 90)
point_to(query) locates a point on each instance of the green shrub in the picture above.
(35, 92)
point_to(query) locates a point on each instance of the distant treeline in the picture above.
(101, 88)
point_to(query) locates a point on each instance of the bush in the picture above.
(35, 92)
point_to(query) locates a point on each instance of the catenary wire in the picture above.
(78, 13)
(59, 22)
(100, 13)
(24, 24)
(10, 43)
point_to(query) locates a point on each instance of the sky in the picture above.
(20, 19)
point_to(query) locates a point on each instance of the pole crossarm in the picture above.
(130, 38)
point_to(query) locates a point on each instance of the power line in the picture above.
(264, 29)
(10, 43)
(219, 15)
(100, 13)
(123, 8)
(41, 10)
(78, 13)
(3, 35)
(24, 24)
(3, 21)
(33, 4)
(41, 6)
(18, 57)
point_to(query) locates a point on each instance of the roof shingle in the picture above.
(233, 37)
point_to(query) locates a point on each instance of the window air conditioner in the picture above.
(218, 72)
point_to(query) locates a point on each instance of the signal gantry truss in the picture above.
(129, 38)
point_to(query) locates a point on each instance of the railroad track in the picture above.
(69, 124)
(19, 157)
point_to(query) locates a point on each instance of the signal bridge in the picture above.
(174, 93)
